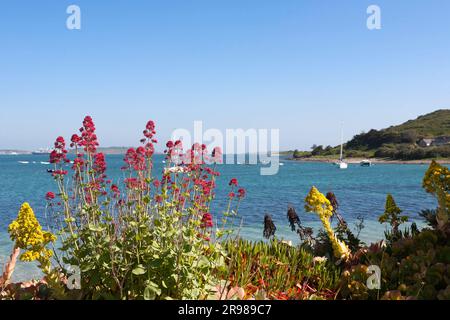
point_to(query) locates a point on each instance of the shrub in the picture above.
(414, 265)
(147, 239)
(392, 215)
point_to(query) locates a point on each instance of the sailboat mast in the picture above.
(342, 141)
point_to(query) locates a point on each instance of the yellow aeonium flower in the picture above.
(437, 182)
(318, 203)
(28, 235)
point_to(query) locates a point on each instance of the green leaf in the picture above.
(149, 294)
(151, 291)
(139, 270)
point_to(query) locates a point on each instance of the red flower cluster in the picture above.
(198, 154)
(134, 183)
(149, 140)
(78, 163)
(139, 160)
(207, 221)
(59, 173)
(115, 190)
(233, 182)
(186, 181)
(59, 153)
(150, 131)
(50, 196)
(174, 151)
(240, 192)
(88, 139)
(135, 159)
(99, 166)
(156, 183)
(74, 140)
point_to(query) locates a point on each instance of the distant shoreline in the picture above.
(106, 151)
(373, 160)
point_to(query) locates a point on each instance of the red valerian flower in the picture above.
(50, 196)
(78, 163)
(134, 183)
(135, 159)
(75, 140)
(151, 127)
(233, 182)
(206, 220)
(241, 193)
(156, 183)
(231, 195)
(115, 190)
(99, 165)
(59, 153)
(59, 173)
(88, 138)
(149, 149)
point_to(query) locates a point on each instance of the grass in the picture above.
(279, 267)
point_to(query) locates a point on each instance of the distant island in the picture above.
(107, 151)
(427, 137)
(13, 152)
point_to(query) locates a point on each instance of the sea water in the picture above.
(361, 192)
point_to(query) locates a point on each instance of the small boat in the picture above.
(24, 162)
(341, 163)
(176, 169)
(366, 163)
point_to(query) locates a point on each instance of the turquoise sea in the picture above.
(361, 191)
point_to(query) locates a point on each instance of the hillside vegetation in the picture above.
(402, 141)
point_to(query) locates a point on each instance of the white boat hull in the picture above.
(342, 165)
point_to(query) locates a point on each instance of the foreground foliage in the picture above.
(151, 238)
(279, 270)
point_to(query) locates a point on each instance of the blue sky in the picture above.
(300, 66)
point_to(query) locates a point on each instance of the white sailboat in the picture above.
(341, 163)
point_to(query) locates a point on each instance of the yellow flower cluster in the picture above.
(437, 182)
(318, 203)
(28, 235)
(436, 177)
